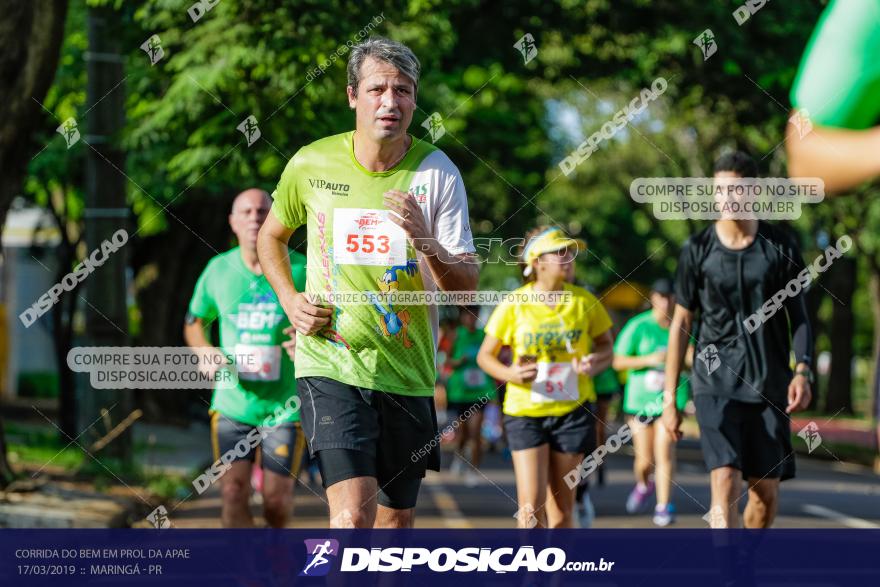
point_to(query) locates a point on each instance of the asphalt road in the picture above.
(825, 494)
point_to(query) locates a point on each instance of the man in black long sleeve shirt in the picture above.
(742, 380)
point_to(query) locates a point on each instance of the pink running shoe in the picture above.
(635, 503)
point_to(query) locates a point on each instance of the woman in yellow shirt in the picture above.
(557, 348)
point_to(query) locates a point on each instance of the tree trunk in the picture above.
(814, 300)
(874, 290)
(62, 337)
(62, 318)
(6, 474)
(106, 212)
(841, 284)
(30, 34)
(164, 301)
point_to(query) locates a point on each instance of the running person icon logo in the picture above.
(709, 357)
(153, 48)
(69, 131)
(526, 45)
(434, 124)
(810, 434)
(250, 129)
(706, 42)
(318, 550)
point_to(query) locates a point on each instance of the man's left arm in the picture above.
(452, 271)
(800, 388)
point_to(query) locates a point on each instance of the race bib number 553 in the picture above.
(364, 236)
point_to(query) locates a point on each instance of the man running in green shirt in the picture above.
(384, 213)
(262, 408)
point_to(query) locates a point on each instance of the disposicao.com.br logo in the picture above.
(318, 551)
(444, 559)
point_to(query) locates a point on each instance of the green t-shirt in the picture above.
(839, 77)
(643, 393)
(468, 383)
(354, 247)
(251, 330)
(606, 382)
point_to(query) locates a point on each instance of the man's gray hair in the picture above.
(382, 49)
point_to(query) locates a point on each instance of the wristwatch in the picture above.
(806, 372)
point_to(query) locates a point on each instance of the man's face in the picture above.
(726, 191)
(665, 304)
(384, 102)
(249, 211)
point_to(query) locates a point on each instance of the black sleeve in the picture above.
(801, 331)
(687, 278)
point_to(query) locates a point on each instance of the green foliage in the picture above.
(507, 123)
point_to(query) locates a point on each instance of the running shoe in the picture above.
(457, 465)
(471, 478)
(664, 515)
(635, 503)
(586, 513)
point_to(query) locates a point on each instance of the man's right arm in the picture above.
(636, 362)
(843, 158)
(626, 357)
(833, 132)
(272, 241)
(195, 334)
(201, 312)
(679, 335)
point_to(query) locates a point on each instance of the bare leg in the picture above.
(353, 503)
(391, 518)
(560, 500)
(601, 419)
(235, 492)
(763, 502)
(531, 467)
(725, 482)
(643, 444)
(463, 435)
(474, 427)
(664, 463)
(277, 498)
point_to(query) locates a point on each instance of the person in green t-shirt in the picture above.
(386, 215)
(261, 411)
(838, 89)
(640, 348)
(834, 130)
(468, 390)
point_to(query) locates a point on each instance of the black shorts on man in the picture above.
(359, 432)
(752, 438)
(281, 447)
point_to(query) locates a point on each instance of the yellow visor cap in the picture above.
(551, 240)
